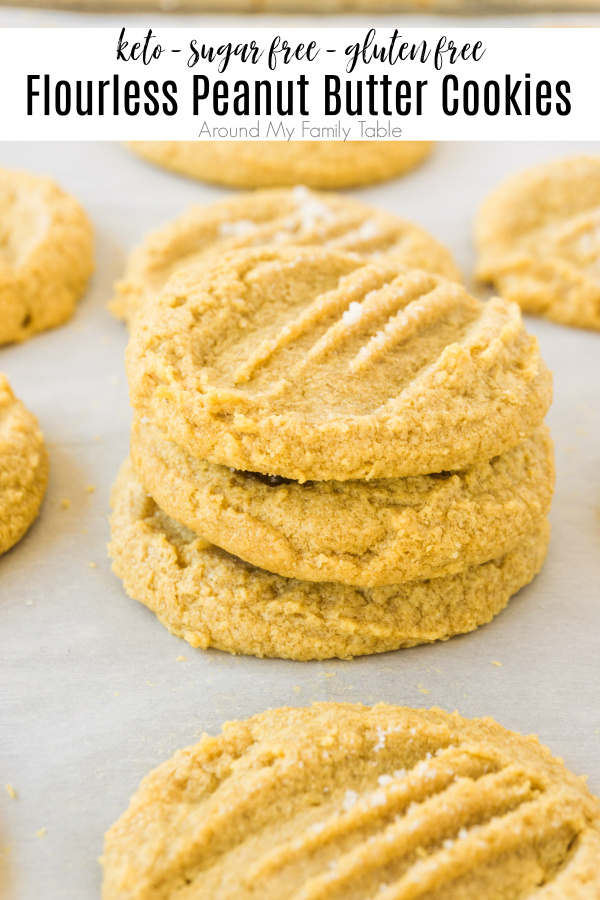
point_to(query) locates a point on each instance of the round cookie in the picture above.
(290, 216)
(45, 255)
(314, 364)
(538, 238)
(211, 599)
(341, 801)
(23, 468)
(385, 531)
(258, 164)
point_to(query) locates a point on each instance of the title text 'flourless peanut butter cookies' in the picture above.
(347, 802)
(538, 237)
(23, 468)
(290, 216)
(314, 364)
(45, 254)
(256, 164)
(384, 531)
(212, 599)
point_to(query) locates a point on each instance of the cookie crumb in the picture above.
(65, 503)
(496, 663)
(93, 565)
(11, 792)
(181, 659)
(297, 688)
(41, 833)
(423, 689)
(90, 488)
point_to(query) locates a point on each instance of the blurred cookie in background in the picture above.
(316, 164)
(538, 240)
(46, 254)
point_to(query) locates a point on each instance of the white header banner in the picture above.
(299, 84)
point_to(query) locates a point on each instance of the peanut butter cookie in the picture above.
(290, 216)
(368, 533)
(256, 164)
(341, 801)
(538, 237)
(45, 255)
(314, 364)
(23, 468)
(212, 599)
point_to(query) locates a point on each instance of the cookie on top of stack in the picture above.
(275, 216)
(331, 455)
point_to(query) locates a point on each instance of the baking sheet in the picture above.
(94, 691)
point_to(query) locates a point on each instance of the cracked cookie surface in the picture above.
(341, 801)
(538, 238)
(46, 254)
(368, 533)
(314, 364)
(256, 164)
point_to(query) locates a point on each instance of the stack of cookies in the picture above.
(330, 455)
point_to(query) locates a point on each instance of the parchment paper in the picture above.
(93, 690)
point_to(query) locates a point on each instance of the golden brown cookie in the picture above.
(45, 255)
(368, 533)
(313, 364)
(212, 599)
(290, 216)
(23, 468)
(258, 164)
(538, 237)
(341, 801)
